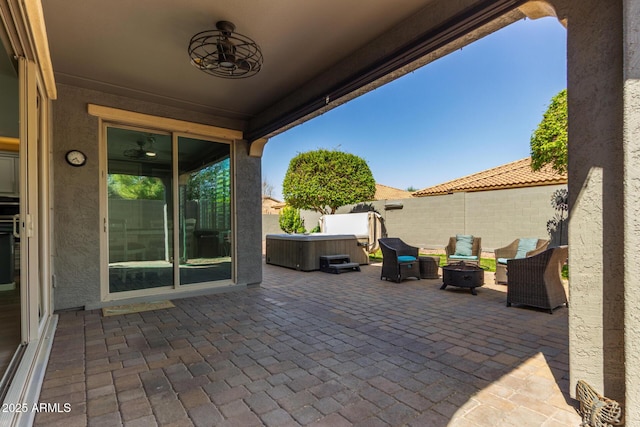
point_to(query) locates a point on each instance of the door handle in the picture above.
(28, 226)
(16, 222)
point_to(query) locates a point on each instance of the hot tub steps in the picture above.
(337, 264)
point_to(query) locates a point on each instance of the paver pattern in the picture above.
(316, 349)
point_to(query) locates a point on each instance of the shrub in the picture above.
(290, 220)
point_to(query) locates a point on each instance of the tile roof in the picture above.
(271, 199)
(512, 175)
(384, 192)
(271, 205)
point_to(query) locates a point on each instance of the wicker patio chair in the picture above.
(510, 252)
(399, 260)
(476, 250)
(537, 280)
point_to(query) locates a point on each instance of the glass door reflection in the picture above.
(140, 217)
(204, 211)
(10, 273)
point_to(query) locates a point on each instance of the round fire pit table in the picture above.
(429, 267)
(462, 275)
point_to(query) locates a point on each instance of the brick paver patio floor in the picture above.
(316, 349)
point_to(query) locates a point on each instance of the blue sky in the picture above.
(472, 110)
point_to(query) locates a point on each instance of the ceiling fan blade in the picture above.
(246, 65)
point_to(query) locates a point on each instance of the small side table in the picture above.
(429, 267)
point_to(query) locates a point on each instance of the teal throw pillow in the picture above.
(464, 257)
(464, 244)
(406, 258)
(525, 245)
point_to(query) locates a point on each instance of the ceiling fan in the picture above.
(141, 152)
(224, 53)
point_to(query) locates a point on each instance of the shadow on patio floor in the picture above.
(316, 349)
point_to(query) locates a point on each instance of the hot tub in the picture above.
(303, 251)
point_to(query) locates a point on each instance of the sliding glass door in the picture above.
(140, 217)
(168, 210)
(204, 211)
(11, 307)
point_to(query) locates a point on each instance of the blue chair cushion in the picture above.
(464, 244)
(502, 261)
(406, 258)
(464, 257)
(524, 246)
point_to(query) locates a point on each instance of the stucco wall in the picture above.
(596, 196)
(76, 215)
(248, 186)
(76, 220)
(498, 217)
(631, 141)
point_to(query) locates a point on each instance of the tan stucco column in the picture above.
(600, 199)
(631, 139)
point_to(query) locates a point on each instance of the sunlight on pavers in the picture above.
(527, 396)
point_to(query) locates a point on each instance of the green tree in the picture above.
(549, 141)
(133, 187)
(209, 181)
(290, 221)
(324, 180)
(211, 187)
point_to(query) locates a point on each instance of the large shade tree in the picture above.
(323, 180)
(549, 141)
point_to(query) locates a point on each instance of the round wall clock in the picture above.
(76, 158)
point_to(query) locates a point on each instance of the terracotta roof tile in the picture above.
(512, 175)
(384, 192)
(271, 205)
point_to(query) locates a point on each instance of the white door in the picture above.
(33, 165)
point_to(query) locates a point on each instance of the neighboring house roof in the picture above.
(270, 199)
(271, 205)
(512, 175)
(384, 192)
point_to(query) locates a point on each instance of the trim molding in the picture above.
(163, 123)
(35, 20)
(167, 294)
(257, 147)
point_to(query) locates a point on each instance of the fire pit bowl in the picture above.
(463, 276)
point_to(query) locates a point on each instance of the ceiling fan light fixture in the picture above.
(141, 152)
(224, 53)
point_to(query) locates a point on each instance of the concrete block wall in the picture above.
(427, 222)
(270, 225)
(501, 216)
(498, 216)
